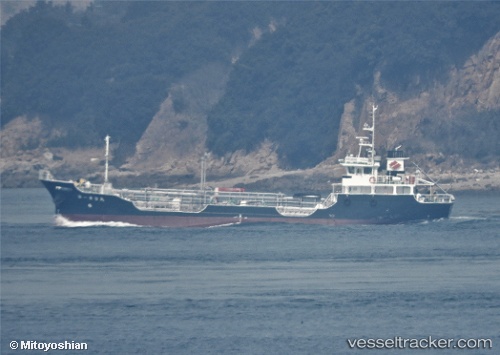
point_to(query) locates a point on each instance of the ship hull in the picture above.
(75, 205)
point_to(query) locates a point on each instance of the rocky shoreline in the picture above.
(319, 179)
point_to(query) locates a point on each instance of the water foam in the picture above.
(468, 218)
(225, 225)
(60, 221)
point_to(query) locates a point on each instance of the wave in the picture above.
(468, 218)
(475, 222)
(225, 225)
(60, 221)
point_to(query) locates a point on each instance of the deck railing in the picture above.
(197, 200)
(393, 189)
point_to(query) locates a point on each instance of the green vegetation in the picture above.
(107, 70)
(292, 86)
(483, 126)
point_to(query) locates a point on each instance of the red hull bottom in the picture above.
(191, 221)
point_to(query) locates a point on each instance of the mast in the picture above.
(203, 172)
(374, 108)
(107, 160)
(371, 145)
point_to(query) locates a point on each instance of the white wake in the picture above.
(60, 221)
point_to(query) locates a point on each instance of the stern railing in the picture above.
(434, 198)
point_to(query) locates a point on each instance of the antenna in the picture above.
(374, 108)
(107, 159)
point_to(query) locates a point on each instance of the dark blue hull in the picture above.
(76, 205)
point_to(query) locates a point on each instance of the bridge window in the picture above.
(384, 190)
(403, 190)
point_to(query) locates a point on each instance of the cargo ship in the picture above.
(366, 194)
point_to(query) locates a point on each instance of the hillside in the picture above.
(260, 86)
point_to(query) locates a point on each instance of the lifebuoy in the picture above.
(372, 179)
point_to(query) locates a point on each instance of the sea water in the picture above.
(249, 289)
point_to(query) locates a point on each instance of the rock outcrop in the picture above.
(419, 121)
(174, 142)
